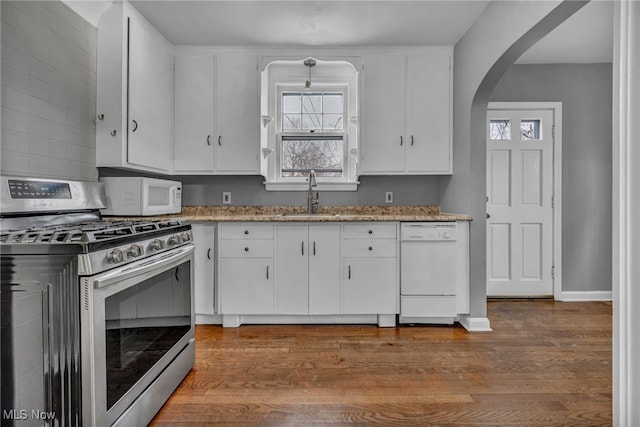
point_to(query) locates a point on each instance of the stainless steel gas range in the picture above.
(97, 315)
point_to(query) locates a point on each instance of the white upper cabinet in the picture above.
(407, 125)
(216, 113)
(134, 93)
(238, 96)
(194, 113)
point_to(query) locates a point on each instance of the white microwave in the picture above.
(140, 196)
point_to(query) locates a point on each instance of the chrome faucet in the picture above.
(312, 203)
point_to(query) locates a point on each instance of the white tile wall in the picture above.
(48, 94)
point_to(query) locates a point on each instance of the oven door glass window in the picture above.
(143, 323)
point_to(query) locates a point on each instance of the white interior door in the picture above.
(520, 170)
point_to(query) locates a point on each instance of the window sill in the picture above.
(304, 186)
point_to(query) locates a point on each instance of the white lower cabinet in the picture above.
(370, 268)
(247, 285)
(308, 269)
(279, 272)
(246, 268)
(370, 285)
(324, 269)
(204, 268)
(292, 262)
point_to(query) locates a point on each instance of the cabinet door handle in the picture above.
(208, 139)
(401, 140)
(349, 271)
(220, 140)
(302, 247)
(246, 231)
(314, 248)
(267, 272)
(177, 277)
(135, 126)
(246, 249)
(412, 140)
(100, 117)
(370, 231)
(113, 132)
(209, 254)
(370, 248)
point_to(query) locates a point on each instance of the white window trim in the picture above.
(272, 124)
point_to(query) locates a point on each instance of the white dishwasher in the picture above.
(430, 271)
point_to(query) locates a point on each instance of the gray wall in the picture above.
(48, 91)
(250, 191)
(503, 31)
(585, 91)
(371, 191)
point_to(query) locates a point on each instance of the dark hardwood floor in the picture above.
(545, 364)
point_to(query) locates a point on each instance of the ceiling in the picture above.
(312, 23)
(585, 37)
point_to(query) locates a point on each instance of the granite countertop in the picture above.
(324, 214)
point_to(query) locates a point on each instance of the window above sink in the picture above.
(309, 122)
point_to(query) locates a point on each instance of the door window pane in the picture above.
(530, 129)
(500, 130)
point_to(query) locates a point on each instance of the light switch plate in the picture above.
(226, 197)
(388, 197)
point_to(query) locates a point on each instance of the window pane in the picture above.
(332, 122)
(500, 129)
(333, 103)
(299, 156)
(291, 103)
(291, 121)
(312, 111)
(311, 122)
(312, 103)
(530, 130)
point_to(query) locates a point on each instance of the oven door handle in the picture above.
(166, 261)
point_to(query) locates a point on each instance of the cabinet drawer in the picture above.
(246, 231)
(255, 248)
(370, 231)
(382, 248)
(428, 306)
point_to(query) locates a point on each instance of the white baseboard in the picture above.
(208, 319)
(475, 324)
(234, 320)
(585, 296)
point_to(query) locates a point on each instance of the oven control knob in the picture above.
(185, 237)
(157, 244)
(174, 240)
(117, 255)
(135, 250)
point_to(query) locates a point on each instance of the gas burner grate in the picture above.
(85, 231)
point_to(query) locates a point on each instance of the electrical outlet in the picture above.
(388, 197)
(226, 197)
